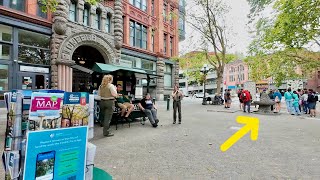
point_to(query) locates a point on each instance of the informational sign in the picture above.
(58, 154)
(34, 69)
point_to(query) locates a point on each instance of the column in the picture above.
(149, 34)
(126, 30)
(160, 79)
(80, 8)
(149, 4)
(168, 45)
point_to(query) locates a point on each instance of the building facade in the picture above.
(235, 75)
(59, 50)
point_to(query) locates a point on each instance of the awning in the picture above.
(107, 68)
(80, 68)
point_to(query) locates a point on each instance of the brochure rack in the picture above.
(20, 123)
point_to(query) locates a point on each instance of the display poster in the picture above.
(57, 154)
(128, 86)
(45, 110)
(75, 110)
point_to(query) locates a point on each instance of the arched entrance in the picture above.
(83, 80)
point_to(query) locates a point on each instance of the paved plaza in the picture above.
(287, 147)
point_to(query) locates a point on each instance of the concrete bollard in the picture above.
(168, 104)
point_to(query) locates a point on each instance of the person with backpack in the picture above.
(277, 99)
(246, 98)
(312, 101)
(289, 99)
(296, 103)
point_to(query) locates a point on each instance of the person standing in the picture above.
(296, 103)
(246, 98)
(305, 102)
(225, 99)
(289, 98)
(277, 99)
(107, 91)
(177, 97)
(228, 96)
(272, 98)
(312, 101)
(240, 100)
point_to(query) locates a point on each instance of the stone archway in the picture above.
(61, 66)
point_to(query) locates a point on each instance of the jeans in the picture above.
(151, 114)
(305, 106)
(245, 105)
(296, 110)
(289, 106)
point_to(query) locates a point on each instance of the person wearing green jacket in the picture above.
(296, 103)
(289, 99)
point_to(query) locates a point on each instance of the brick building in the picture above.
(79, 42)
(235, 75)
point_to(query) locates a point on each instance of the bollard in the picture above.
(168, 103)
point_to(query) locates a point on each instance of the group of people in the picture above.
(109, 94)
(301, 101)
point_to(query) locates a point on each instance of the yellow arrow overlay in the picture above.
(251, 124)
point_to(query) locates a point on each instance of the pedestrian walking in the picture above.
(107, 91)
(228, 96)
(177, 96)
(296, 103)
(305, 101)
(289, 99)
(240, 100)
(312, 101)
(246, 98)
(277, 99)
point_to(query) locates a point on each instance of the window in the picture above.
(181, 23)
(5, 33)
(108, 24)
(171, 46)
(170, 17)
(152, 42)
(39, 11)
(4, 74)
(165, 43)
(138, 35)
(146, 64)
(73, 11)
(164, 13)
(144, 37)
(33, 47)
(97, 19)
(141, 4)
(4, 51)
(17, 5)
(168, 75)
(86, 15)
(152, 7)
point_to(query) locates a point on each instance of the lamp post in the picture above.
(205, 71)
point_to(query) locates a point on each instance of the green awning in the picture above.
(107, 68)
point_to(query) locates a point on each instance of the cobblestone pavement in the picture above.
(288, 147)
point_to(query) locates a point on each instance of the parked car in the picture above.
(200, 95)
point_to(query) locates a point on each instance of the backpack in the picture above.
(244, 97)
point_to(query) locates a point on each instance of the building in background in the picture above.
(74, 46)
(235, 75)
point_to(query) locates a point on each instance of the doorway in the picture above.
(86, 57)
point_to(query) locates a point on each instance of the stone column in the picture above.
(80, 9)
(92, 22)
(126, 30)
(59, 28)
(103, 20)
(118, 27)
(175, 73)
(160, 79)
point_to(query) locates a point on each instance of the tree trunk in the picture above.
(219, 81)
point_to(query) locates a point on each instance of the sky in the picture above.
(236, 19)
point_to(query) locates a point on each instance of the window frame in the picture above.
(165, 43)
(97, 19)
(137, 34)
(171, 45)
(108, 23)
(86, 19)
(140, 4)
(74, 13)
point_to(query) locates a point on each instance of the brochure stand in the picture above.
(40, 127)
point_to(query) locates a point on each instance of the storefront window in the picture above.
(26, 82)
(4, 51)
(33, 47)
(4, 77)
(34, 55)
(145, 64)
(5, 33)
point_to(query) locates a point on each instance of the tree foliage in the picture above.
(282, 39)
(208, 19)
(52, 4)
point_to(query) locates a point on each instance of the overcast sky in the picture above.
(236, 19)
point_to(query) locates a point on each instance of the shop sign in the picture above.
(34, 69)
(125, 63)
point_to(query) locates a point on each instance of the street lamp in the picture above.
(205, 71)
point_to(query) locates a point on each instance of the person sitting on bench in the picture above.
(147, 106)
(124, 103)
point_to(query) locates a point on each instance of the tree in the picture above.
(52, 4)
(208, 19)
(283, 38)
